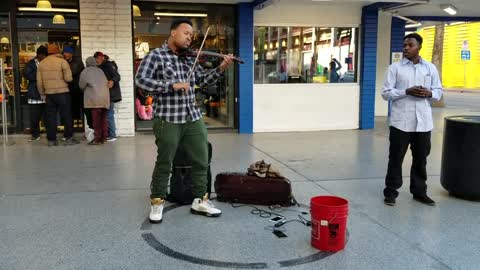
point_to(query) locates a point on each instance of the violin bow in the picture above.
(198, 55)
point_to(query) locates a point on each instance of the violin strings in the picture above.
(198, 55)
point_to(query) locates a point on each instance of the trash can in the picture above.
(460, 172)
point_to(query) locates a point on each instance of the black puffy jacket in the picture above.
(31, 75)
(111, 72)
(76, 65)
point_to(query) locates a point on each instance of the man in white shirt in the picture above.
(411, 85)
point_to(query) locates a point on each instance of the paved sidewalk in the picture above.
(85, 207)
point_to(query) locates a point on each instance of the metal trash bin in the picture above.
(460, 172)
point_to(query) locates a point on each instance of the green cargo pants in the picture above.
(192, 136)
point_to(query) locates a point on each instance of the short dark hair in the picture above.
(42, 50)
(176, 23)
(416, 36)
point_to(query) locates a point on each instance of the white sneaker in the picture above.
(90, 135)
(204, 207)
(156, 210)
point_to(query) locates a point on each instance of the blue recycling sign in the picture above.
(465, 55)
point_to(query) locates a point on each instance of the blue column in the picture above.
(245, 71)
(397, 34)
(368, 66)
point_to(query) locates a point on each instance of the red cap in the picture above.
(97, 54)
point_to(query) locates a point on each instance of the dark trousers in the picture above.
(420, 146)
(59, 103)
(77, 105)
(100, 124)
(37, 113)
(88, 117)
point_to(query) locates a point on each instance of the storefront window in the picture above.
(151, 30)
(6, 56)
(305, 55)
(36, 28)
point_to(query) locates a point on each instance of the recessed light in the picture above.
(450, 9)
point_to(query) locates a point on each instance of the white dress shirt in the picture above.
(409, 113)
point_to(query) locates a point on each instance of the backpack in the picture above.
(181, 178)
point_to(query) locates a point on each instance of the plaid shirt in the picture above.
(157, 74)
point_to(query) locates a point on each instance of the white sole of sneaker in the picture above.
(195, 212)
(155, 221)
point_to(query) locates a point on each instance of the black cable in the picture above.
(305, 221)
(278, 208)
(266, 214)
(301, 220)
(273, 228)
(293, 220)
(257, 211)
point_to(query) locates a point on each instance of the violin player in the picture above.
(170, 78)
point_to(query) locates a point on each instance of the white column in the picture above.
(383, 60)
(106, 26)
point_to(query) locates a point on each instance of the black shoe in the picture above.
(424, 199)
(95, 143)
(71, 141)
(52, 143)
(389, 201)
(32, 139)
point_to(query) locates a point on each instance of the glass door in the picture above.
(7, 95)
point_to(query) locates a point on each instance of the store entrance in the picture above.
(33, 30)
(7, 94)
(151, 30)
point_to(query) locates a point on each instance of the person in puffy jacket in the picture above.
(53, 77)
(96, 97)
(76, 65)
(110, 69)
(35, 101)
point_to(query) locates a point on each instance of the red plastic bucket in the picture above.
(329, 222)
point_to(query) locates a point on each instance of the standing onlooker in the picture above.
(410, 85)
(113, 77)
(335, 67)
(96, 98)
(53, 77)
(37, 104)
(76, 65)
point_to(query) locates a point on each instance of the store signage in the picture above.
(465, 55)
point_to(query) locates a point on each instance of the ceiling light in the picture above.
(450, 9)
(136, 11)
(72, 10)
(4, 40)
(58, 19)
(44, 4)
(413, 25)
(171, 14)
